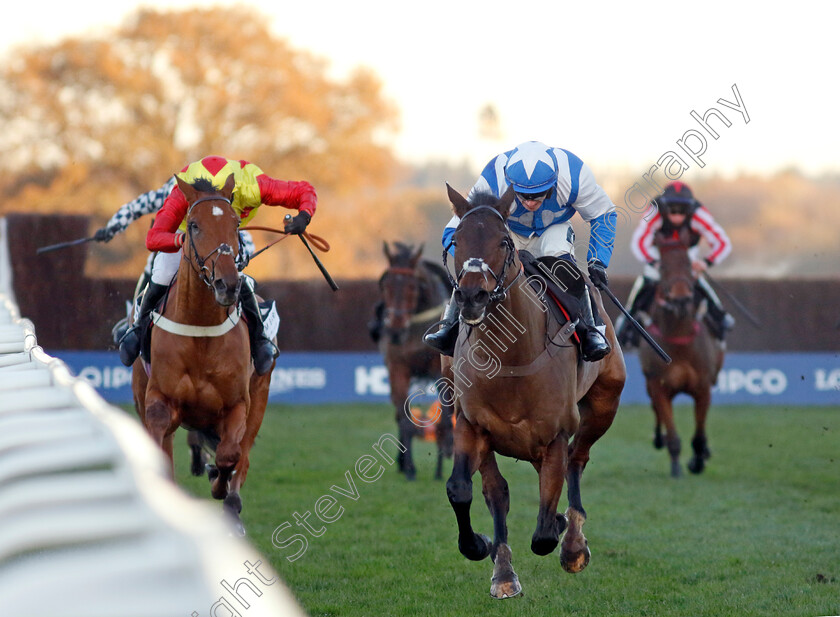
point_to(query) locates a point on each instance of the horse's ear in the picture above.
(387, 250)
(227, 189)
(187, 189)
(458, 201)
(415, 258)
(503, 206)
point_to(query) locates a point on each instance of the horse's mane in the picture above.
(204, 185)
(483, 198)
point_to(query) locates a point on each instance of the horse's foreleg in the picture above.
(597, 412)
(400, 379)
(229, 451)
(699, 445)
(505, 583)
(552, 472)
(664, 410)
(161, 421)
(469, 449)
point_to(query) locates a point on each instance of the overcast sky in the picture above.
(613, 82)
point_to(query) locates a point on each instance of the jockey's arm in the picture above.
(164, 235)
(299, 195)
(147, 203)
(719, 244)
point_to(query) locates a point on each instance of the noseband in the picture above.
(477, 264)
(207, 275)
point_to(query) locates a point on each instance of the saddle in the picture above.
(562, 305)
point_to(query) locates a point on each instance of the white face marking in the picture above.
(217, 211)
(475, 264)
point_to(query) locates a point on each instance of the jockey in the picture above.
(551, 185)
(253, 188)
(149, 203)
(677, 208)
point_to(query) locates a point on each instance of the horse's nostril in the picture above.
(481, 298)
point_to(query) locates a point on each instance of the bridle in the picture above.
(477, 264)
(207, 275)
(399, 271)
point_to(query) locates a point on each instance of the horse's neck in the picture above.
(194, 302)
(515, 328)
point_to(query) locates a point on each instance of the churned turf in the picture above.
(758, 533)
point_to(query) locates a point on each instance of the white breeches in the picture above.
(165, 266)
(556, 241)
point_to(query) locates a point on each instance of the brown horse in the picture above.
(200, 375)
(696, 355)
(521, 391)
(413, 293)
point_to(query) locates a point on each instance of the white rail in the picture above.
(90, 523)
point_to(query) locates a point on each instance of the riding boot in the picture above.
(444, 339)
(592, 333)
(641, 297)
(130, 342)
(719, 321)
(375, 325)
(263, 351)
(121, 327)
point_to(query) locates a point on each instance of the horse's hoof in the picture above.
(505, 589)
(696, 464)
(544, 546)
(658, 442)
(212, 471)
(411, 475)
(575, 562)
(479, 549)
(676, 469)
(197, 466)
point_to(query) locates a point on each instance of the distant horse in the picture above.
(200, 375)
(521, 391)
(696, 355)
(413, 294)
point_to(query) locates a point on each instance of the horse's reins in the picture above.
(317, 241)
(476, 264)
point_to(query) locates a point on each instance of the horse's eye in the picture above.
(193, 226)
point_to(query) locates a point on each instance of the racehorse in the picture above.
(696, 355)
(413, 294)
(200, 374)
(521, 391)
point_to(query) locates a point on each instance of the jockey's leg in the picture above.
(444, 339)
(263, 350)
(722, 321)
(121, 327)
(639, 301)
(558, 242)
(164, 267)
(130, 343)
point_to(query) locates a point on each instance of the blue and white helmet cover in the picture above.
(531, 168)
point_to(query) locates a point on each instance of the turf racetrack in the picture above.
(758, 533)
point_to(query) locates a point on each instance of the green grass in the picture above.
(758, 533)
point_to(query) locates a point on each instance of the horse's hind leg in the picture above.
(443, 436)
(198, 459)
(505, 583)
(470, 448)
(699, 445)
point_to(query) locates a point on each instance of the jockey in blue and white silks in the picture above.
(550, 185)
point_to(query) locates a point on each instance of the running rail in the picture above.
(90, 523)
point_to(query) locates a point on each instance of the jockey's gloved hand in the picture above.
(105, 234)
(598, 273)
(298, 224)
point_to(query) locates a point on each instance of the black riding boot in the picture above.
(263, 350)
(640, 300)
(121, 327)
(444, 339)
(719, 321)
(130, 342)
(594, 345)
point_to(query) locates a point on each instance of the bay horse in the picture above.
(527, 396)
(413, 293)
(696, 355)
(200, 374)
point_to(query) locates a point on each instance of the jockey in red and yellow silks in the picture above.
(252, 189)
